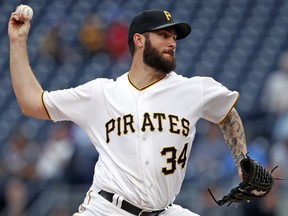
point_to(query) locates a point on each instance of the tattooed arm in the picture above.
(234, 135)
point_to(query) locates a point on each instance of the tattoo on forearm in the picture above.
(234, 135)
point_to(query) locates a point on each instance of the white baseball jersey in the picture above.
(144, 136)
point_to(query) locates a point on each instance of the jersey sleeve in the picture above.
(72, 104)
(217, 100)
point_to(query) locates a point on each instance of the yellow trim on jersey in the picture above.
(140, 89)
(46, 110)
(230, 109)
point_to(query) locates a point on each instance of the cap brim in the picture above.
(182, 29)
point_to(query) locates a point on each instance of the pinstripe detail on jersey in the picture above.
(140, 89)
(42, 99)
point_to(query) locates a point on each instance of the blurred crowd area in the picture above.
(46, 168)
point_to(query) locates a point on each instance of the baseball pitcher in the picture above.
(142, 124)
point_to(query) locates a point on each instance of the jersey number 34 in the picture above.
(173, 160)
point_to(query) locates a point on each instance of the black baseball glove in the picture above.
(257, 182)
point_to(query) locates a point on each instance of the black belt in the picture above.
(128, 206)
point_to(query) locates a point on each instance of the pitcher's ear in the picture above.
(139, 40)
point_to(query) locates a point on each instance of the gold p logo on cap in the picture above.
(168, 15)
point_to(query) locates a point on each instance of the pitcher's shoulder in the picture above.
(178, 77)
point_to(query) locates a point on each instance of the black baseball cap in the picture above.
(155, 19)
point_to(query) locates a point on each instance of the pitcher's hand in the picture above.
(18, 27)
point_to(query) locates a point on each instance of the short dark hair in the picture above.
(131, 47)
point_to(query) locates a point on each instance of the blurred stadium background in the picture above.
(46, 168)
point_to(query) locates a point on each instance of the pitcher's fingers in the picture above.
(25, 18)
(15, 16)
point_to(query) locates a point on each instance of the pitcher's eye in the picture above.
(164, 35)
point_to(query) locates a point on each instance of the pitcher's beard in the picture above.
(153, 58)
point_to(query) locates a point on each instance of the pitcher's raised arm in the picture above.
(27, 89)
